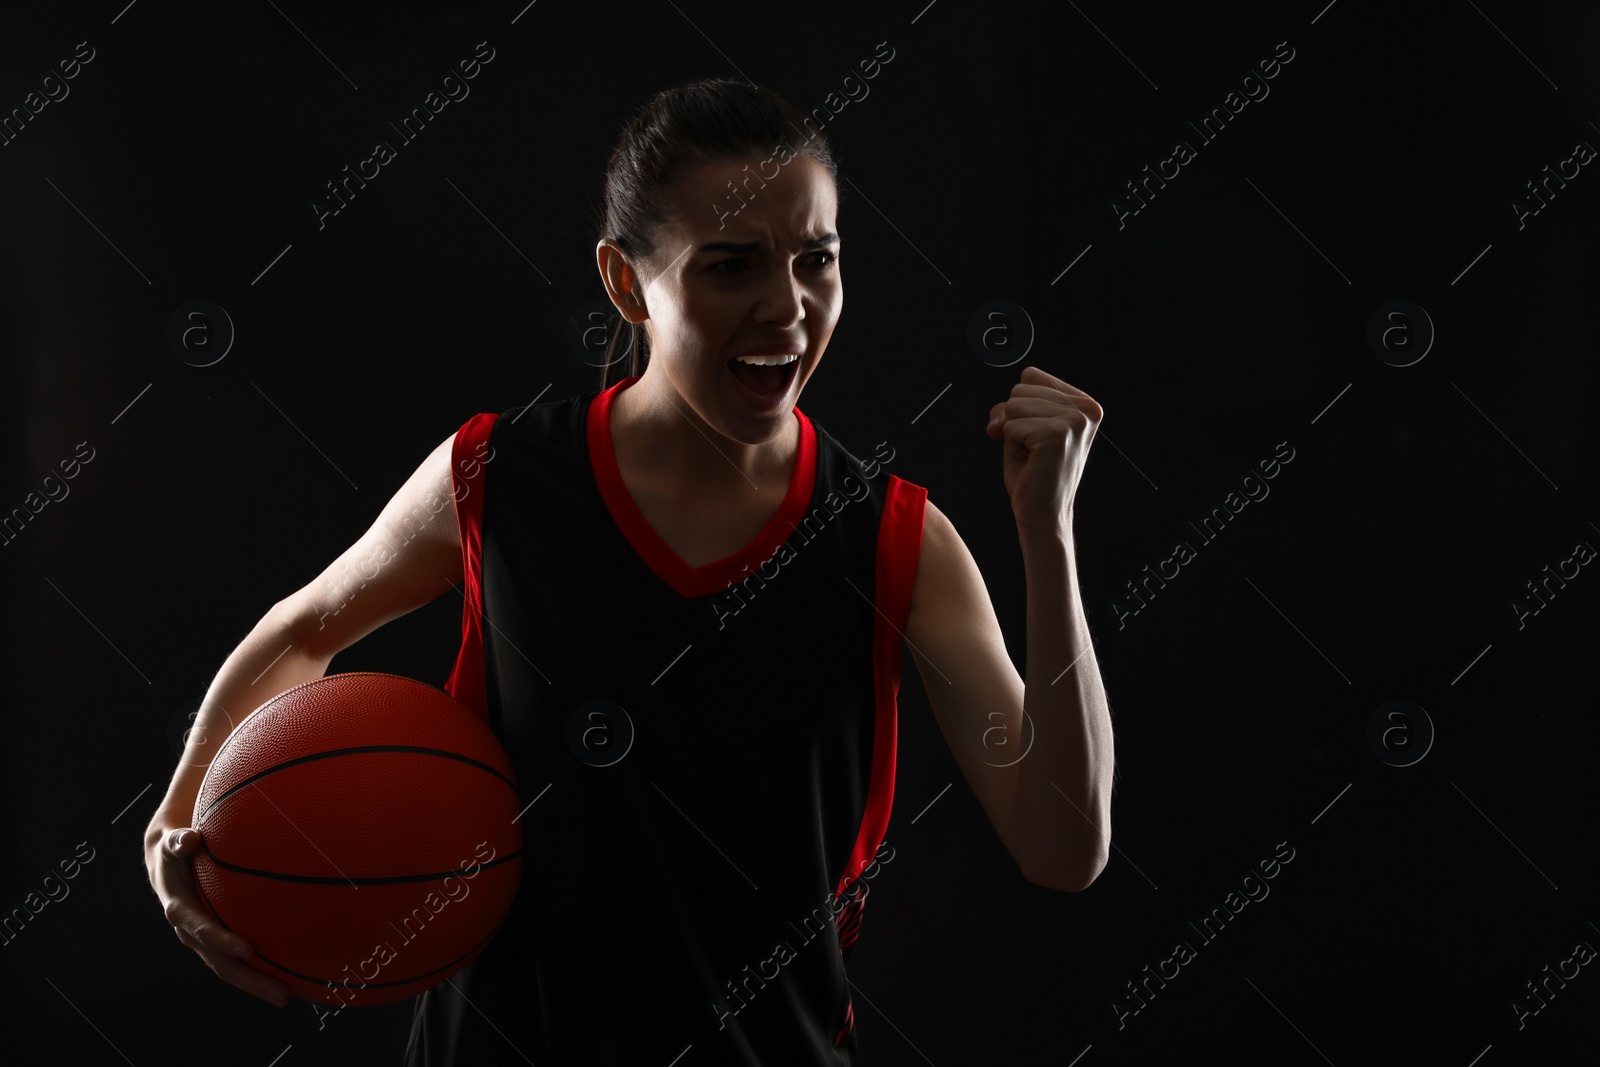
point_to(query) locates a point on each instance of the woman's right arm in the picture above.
(409, 556)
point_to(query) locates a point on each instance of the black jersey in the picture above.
(706, 753)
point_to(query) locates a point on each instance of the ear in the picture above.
(621, 281)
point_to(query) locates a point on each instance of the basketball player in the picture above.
(700, 582)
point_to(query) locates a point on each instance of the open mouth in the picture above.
(764, 381)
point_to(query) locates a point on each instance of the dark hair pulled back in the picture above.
(704, 121)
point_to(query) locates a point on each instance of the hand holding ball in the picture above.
(357, 831)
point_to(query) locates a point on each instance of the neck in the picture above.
(656, 432)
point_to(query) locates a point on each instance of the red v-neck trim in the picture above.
(657, 554)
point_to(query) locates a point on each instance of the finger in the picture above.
(175, 886)
(1026, 438)
(194, 923)
(1079, 400)
(182, 841)
(1036, 409)
(237, 973)
(997, 420)
(219, 948)
(1043, 391)
(1033, 407)
(1035, 375)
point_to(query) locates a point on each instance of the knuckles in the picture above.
(1080, 402)
(1075, 415)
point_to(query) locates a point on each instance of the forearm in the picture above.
(1063, 801)
(268, 661)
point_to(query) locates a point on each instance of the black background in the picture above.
(1229, 315)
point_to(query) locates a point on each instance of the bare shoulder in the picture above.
(945, 566)
(425, 503)
(950, 602)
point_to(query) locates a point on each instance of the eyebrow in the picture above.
(822, 241)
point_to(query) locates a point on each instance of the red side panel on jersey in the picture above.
(849, 1022)
(468, 455)
(899, 548)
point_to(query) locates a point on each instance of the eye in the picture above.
(824, 260)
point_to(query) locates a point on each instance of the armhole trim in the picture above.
(466, 683)
(898, 552)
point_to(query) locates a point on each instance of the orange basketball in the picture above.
(358, 832)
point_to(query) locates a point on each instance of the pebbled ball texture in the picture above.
(358, 833)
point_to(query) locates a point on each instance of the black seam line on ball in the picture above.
(380, 985)
(474, 949)
(349, 752)
(363, 985)
(393, 879)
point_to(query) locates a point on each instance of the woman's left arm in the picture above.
(1040, 756)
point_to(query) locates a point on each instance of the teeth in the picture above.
(768, 361)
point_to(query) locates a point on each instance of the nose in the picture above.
(781, 302)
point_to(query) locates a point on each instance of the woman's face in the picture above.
(734, 275)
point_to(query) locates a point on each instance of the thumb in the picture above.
(183, 841)
(997, 419)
